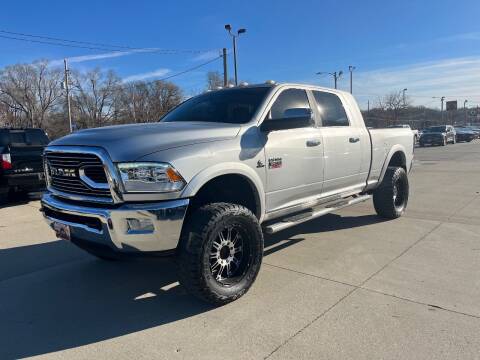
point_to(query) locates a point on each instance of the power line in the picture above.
(113, 48)
(66, 40)
(190, 69)
(177, 74)
(57, 44)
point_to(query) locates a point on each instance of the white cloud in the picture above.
(455, 78)
(113, 54)
(460, 37)
(208, 55)
(147, 75)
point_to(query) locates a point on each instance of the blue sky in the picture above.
(430, 47)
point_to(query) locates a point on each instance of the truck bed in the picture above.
(385, 142)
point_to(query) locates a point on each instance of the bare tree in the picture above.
(30, 92)
(147, 101)
(214, 80)
(94, 97)
(31, 95)
(393, 104)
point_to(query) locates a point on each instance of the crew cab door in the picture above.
(294, 156)
(344, 145)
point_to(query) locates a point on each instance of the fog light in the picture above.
(140, 225)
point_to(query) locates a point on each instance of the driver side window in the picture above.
(288, 103)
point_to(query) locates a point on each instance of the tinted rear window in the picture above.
(36, 137)
(436, 129)
(4, 138)
(23, 137)
(17, 137)
(234, 106)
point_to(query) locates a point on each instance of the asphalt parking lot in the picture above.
(345, 286)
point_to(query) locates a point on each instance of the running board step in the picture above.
(295, 220)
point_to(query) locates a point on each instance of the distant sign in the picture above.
(451, 105)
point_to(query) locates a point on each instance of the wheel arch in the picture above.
(396, 157)
(241, 176)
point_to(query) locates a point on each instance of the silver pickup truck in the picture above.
(216, 173)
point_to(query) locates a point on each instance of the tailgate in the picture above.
(26, 158)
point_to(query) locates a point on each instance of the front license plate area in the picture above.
(62, 231)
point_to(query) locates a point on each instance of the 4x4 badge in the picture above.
(275, 163)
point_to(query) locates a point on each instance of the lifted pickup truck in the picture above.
(219, 171)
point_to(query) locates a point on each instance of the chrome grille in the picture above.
(64, 174)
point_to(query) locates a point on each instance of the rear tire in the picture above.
(220, 252)
(391, 197)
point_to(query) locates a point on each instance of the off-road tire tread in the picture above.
(190, 253)
(383, 195)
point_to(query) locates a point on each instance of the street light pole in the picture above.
(404, 102)
(225, 70)
(442, 99)
(228, 27)
(465, 110)
(351, 68)
(335, 75)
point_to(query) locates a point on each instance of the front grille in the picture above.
(64, 173)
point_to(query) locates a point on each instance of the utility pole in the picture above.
(225, 70)
(404, 102)
(133, 105)
(67, 90)
(465, 110)
(228, 27)
(442, 99)
(336, 76)
(351, 68)
(368, 106)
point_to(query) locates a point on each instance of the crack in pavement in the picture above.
(355, 288)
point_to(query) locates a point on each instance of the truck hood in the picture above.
(130, 142)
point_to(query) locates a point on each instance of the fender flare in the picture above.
(396, 148)
(230, 168)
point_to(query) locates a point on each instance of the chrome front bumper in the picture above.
(108, 225)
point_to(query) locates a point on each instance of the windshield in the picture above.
(435, 129)
(234, 106)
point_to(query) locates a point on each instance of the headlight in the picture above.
(150, 177)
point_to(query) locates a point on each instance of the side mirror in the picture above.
(293, 118)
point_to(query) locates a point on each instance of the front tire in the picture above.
(220, 252)
(391, 197)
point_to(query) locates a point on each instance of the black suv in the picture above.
(438, 135)
(21, 167)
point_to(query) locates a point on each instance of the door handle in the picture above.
(354, 140)
(313, 142)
